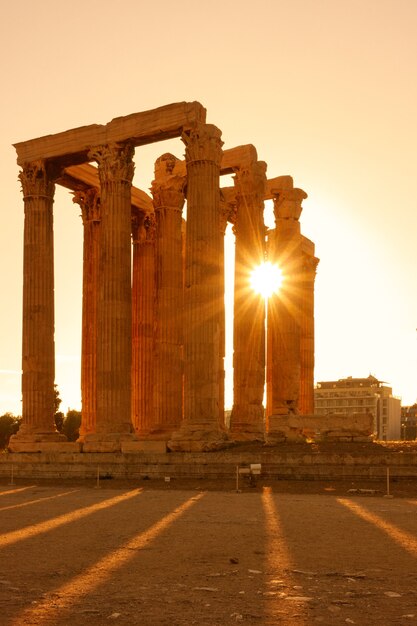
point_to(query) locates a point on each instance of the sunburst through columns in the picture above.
(249, 308)
(285, 313)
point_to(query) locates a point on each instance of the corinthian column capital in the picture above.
(227, 207)
(150, 227)
(203, 143)
(114, 162)
(287, 204)
(138, 229)
(168, 186)
(143, 227)
(89, 201)
(250, 182)
(168, 195)
(36, 181)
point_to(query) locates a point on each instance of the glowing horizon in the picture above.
(350, 145)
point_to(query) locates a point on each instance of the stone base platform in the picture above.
(106, 442)
(41, 442)
(150, 446)
(246, 436)
(282, 462)
(198, 439)
(47, 447)
(353, 428)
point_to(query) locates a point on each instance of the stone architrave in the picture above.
(308, 275)
(284, 312)
(89, 201)
(203, 303)
(168, 197)
(37, 431)
(143, 312)
(249, 308)
(114, 307)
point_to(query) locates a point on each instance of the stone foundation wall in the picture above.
(222, 465)
(333, 427)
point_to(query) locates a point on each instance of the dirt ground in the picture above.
(193, 552)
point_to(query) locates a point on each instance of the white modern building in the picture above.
(360, 395)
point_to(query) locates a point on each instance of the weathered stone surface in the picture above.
(241, 157)
(369, 463)
(191, 439)
(30, 446)
(144, 446)
(168, 196)
(277, 185)
(133, 345)
(355, 427)
(246, 422)
(141, 128)
(38, 349)
(106, 442)
(308, 274)
(89, 201)
(114, 305)
(284, 309)
(85, 176)
(204, 300)
(143, 313)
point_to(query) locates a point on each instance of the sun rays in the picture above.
(73, 591)
(266, 279)
(42, 527)
(406, 540)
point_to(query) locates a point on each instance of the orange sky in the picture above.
(326, 90)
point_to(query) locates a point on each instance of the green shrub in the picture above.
(71, 425)
(9, 425)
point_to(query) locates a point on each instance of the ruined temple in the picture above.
(153, 321)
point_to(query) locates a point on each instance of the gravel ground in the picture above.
(197, 553)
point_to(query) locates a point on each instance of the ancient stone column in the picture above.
(89, 201)
(114, 308)
(143, 306)
(168, 197)
(204, 304)
(308, 275)
(37, 430)
(249, 310)
(284, 312)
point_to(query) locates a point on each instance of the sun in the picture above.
(266, 279)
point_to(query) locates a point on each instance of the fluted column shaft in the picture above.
(249, 309)
(89, 202)
(38, 348)
(114, 312)
(309, 266)
(168, 196)
(204, 305)
(143, 306)
(284, 310)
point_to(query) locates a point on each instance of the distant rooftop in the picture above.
(370, 381)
